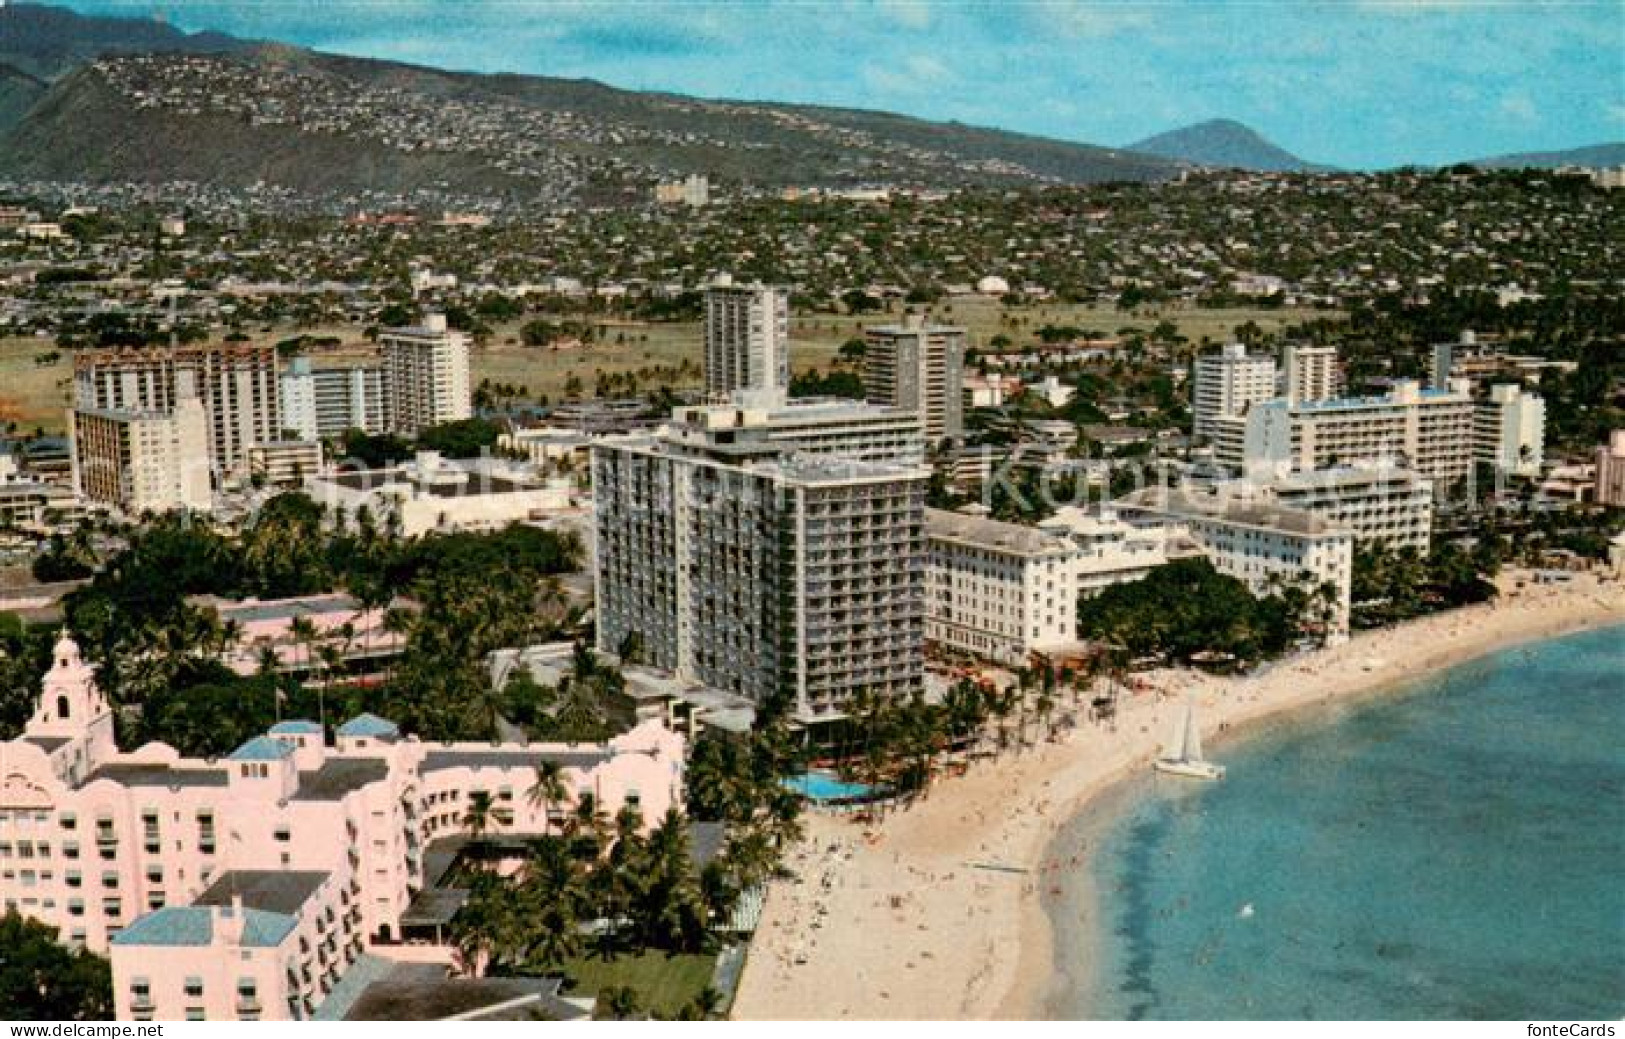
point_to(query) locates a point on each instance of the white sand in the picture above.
(894, 921)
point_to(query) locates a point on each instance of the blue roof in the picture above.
(262, 748)
(194, 925)
(369, 725)
(295, 727)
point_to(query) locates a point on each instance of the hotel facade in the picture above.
(919, 367)
(997, 590)
(1267, 547)
(236, 383)
(747, 337)
(248, 887)
(425, 376)
(765, 553)
(1429, 431)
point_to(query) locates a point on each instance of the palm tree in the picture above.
(477, 816)
(547, 790)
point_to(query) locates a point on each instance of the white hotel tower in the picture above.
(747, 337)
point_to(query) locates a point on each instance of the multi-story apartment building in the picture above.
(236, 383)
(1509, 430)
(747, 338)
(1229, 383)
(321, 403)
(245, 888)
(918, 367)
(766, 555)
(1611, 470)
(1265, 546)
(1429, 431)
(425, 375)
(1380, 504)
(143, 461)
(997, 590)
(1310, 372)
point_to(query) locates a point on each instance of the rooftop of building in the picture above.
(368, 725)
(512, 757)
(194, 926)
(262, 748)
(1259, 515)
(450, 482)
(295, 727)
(340, 776)
(269, 891)
(1345, 476)
(425, 992)
(159, 775)
(249, 611)
(992, 535)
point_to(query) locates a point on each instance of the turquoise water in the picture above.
(821, 786)
(1456, 850)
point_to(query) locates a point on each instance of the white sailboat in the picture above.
(1183, 756)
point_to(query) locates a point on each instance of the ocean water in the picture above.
(1452, 850)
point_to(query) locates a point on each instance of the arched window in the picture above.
(62, 711)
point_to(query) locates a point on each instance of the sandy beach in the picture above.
(934, 913)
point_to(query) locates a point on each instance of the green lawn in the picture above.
(664, 984)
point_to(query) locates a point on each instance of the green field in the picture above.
(34, 394)
(664, 984)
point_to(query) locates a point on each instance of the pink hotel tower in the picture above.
(246, 888)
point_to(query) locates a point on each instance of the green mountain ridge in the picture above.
(320, 123)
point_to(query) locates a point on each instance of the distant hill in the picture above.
(322, 124)
(1224, 143)
(1610, 154)
(19, 91)
(48, 42)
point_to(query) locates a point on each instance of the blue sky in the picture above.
(1356, 83)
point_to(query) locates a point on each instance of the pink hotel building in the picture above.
(245, 888)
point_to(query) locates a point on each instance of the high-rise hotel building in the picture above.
(1425, 430)
(768, 552)
(425, 375)
(1226, 385)
(236, 383)
(747, 338)
(920, 367)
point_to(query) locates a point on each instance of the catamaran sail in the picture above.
(1184, 754)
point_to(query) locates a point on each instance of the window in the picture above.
(194, 987)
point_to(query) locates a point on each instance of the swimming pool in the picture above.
(824, 787)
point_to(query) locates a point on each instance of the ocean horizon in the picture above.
(1447, 850)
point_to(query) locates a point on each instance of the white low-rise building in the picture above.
(1110, 550)
(433, 493)
(1380, 504)
(998, 590)
(1267, 547)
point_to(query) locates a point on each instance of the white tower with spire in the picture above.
(72, 709)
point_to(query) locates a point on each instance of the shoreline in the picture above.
(936, 911)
